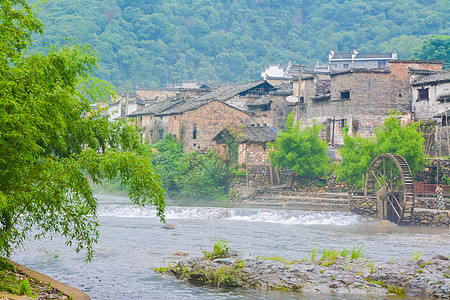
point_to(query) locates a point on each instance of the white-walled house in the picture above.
(431, 95)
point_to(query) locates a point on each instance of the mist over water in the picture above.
(132, 244)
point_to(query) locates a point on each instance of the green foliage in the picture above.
(24, 287)
(52, 145)
(190, 175)
(300, 150)
(392, 137)
(10, 283)
(329, 257)
(151, 43)
(435, 47)
(417, 255)
(204, 176)
(357, 252)
(220, 250)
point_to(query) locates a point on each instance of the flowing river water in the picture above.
(132, 244)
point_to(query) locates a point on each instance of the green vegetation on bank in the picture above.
(190, 175)
(53, 146)
(10, 283)
(155, 43)
(300, 150)
(392, 137)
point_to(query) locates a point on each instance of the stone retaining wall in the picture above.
(364, 206)
(425, 212)
(431, 218)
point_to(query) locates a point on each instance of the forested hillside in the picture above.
(159, 42)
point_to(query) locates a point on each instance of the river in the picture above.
(132, 244)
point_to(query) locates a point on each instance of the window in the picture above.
(345, 66)
(423, 94)
(161, 134)
(334, 66)
(345, 95)
(342, 123)
(381, 64)
(194, 132)
(302, 100)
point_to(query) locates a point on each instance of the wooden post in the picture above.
(271, 173)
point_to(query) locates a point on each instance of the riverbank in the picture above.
(331, 274)
(41, 286)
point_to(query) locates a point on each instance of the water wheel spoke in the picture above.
(376, 177)
(393, 206)
(389, 173)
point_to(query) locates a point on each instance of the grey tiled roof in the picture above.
(283, 90)
(362, 56)
(182, 106)
(258, 134)
(248, 134)
(263, 100)
(227, 91)
(438, 77)
(322, 86)
(154, 108)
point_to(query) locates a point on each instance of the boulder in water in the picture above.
(168, 226)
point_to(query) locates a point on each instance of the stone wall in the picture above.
(431, 218)
(208, 120)
(364, 206)
(329, 185)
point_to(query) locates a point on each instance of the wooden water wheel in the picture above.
(390, 179)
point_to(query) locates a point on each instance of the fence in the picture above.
(422, 188)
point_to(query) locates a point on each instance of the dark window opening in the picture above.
(346, 66)
(342, 123)
(302, 100)
(423, 94)
(161, 133)
(445, 121)
(194, 132)
(399, 95)
(345, 95)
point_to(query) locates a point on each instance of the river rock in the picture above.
(415, 278)
(168, 226)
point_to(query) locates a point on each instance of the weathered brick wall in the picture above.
(372, 94)
(427, 109)
(280, 109)
(209, 120)
(253, 154)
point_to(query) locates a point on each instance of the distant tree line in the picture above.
(155, 43)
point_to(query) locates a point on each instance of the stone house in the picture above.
(357, 98)
(266, 103)
(431, 95)
(356, 60)
(431, 105)
(252, 151)
(196, 122)
(145, 119)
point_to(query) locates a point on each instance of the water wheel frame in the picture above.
(395, 189)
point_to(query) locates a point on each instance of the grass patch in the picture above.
(277, 258)
(10, 283)
(417, 255)
(220, 250)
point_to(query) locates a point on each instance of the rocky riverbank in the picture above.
(332, 274)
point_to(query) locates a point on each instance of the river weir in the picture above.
(133, 244)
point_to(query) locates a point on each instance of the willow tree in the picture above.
(53, 146)
(300, 150)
